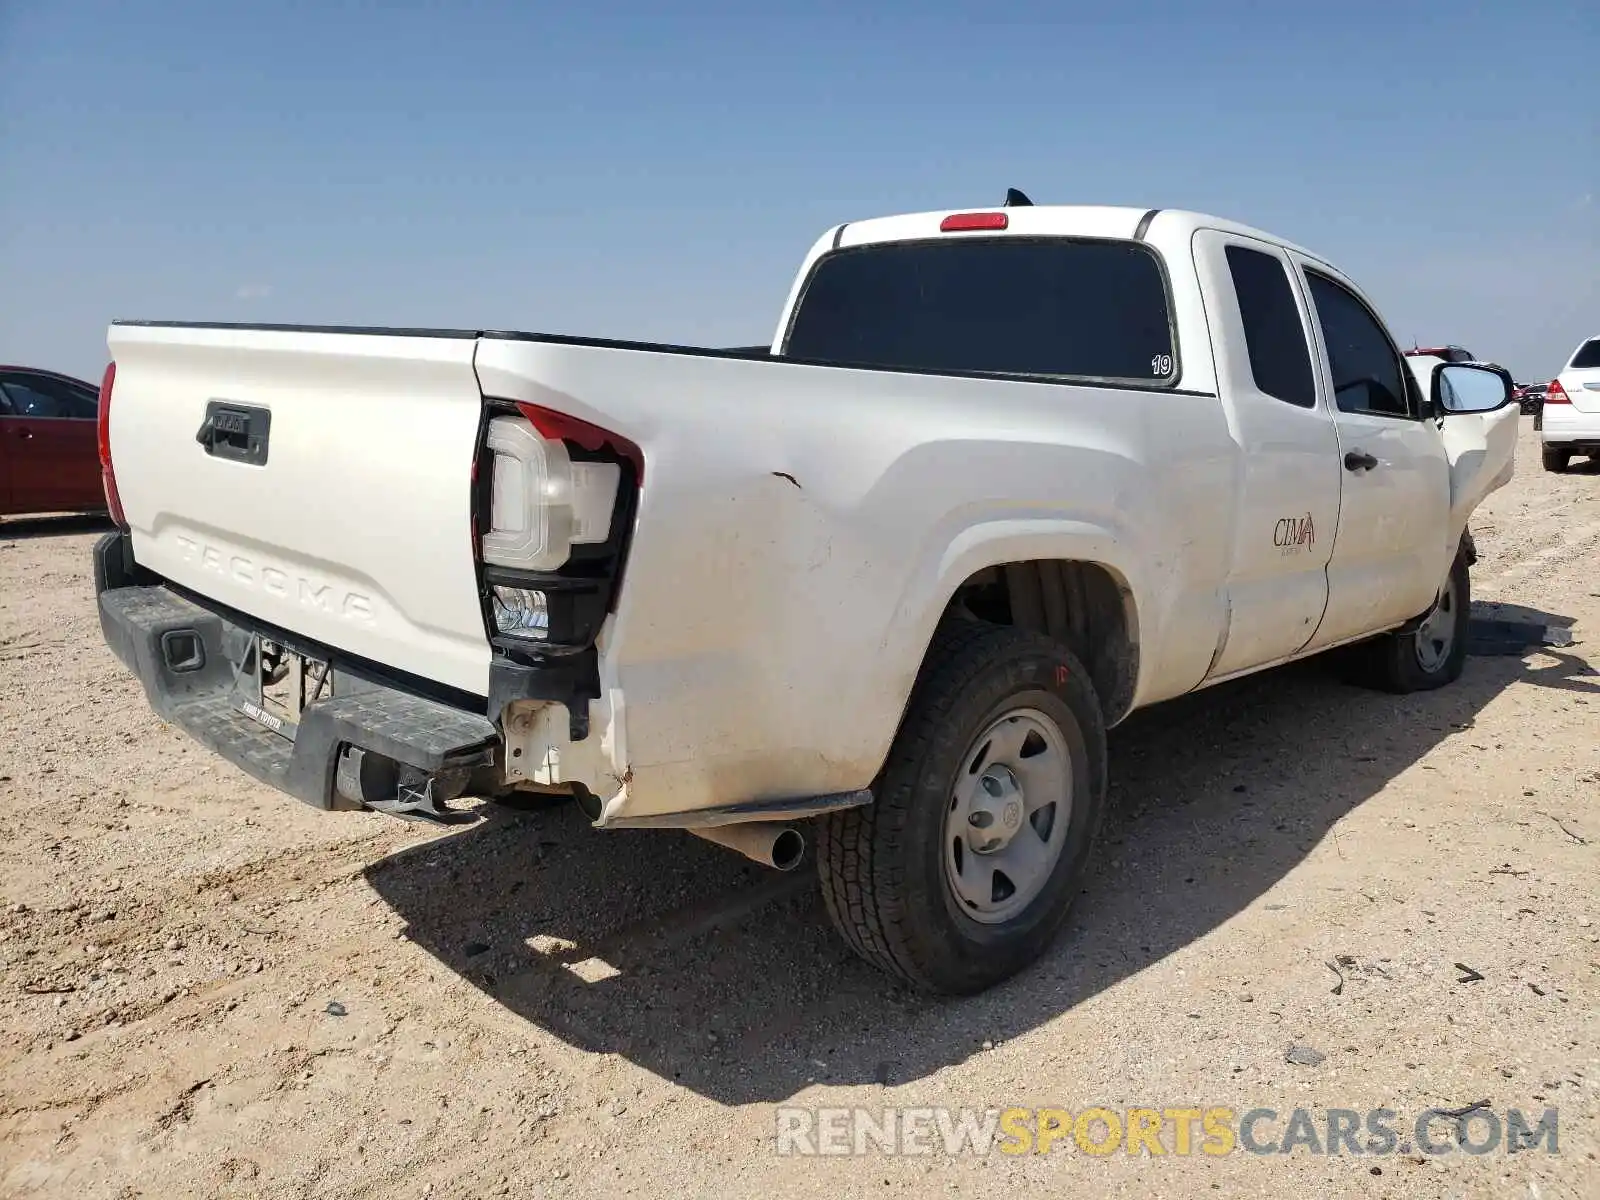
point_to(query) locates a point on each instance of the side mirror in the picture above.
(1470, 388)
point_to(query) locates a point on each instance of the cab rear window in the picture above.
(1054, 307)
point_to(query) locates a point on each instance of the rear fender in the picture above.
(993, 543)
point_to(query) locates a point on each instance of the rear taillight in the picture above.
(559, 427)
(108, 475)
(554, 496)
(1556, 394)
(541, 503)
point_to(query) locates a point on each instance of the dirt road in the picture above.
(210, 989)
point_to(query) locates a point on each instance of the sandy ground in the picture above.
(210, 989)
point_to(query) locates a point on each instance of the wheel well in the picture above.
(1081, 604)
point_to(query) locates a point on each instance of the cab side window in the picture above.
(1368, 373)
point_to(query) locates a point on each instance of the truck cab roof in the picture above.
(1168, 233)
(1050, 220)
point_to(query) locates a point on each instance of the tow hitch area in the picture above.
(386, 786)
(292, 720)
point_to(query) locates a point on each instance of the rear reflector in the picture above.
(961, 222)
(108, 477)
(1556, 394)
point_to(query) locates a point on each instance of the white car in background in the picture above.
(1571, 419)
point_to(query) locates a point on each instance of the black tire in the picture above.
(1394, 663)
(882, 866)
(1555, 460)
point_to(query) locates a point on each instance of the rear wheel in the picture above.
(1429, 656)
(1556, 459)
(962, 870)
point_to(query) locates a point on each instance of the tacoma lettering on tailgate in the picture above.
(303, 590)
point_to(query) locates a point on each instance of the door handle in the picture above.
(1358, 460)
(25, 434)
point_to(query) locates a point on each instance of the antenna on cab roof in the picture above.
(1016, 199)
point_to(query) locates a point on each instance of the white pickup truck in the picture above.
(1001, 478)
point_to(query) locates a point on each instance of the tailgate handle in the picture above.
(236, 431)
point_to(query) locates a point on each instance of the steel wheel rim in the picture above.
(1006, 821)
(1436, 637)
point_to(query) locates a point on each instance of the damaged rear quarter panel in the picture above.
(801, 528)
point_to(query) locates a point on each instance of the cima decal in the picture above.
(1294, 533)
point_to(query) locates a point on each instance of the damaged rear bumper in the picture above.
(187, 658)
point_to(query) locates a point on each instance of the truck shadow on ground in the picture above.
(728, 979)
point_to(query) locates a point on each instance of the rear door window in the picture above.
(1054, 307)
(1280, 359)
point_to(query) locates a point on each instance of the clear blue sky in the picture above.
(656, 171)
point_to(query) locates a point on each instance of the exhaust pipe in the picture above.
(770, 843)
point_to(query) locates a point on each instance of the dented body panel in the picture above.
(798, 538)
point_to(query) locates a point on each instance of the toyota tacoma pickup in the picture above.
(1001, 477)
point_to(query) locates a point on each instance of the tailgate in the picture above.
(319, 481)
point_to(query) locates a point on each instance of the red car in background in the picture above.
(49, 458)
